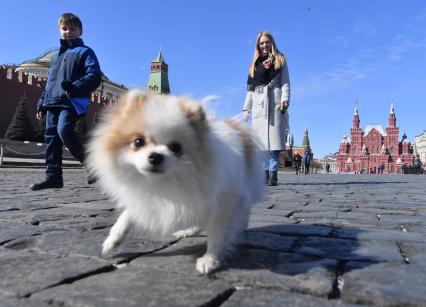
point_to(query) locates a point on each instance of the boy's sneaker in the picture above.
(47, 184)
(91, 179)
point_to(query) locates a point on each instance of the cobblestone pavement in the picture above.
(319, 240)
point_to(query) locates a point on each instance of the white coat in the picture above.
(268, 123)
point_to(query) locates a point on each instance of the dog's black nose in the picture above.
(155, 158)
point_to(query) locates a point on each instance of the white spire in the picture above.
(392, 109)
(344, 139)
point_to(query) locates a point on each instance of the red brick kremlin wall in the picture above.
(13, 84)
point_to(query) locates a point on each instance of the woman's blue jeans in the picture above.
(272, 160)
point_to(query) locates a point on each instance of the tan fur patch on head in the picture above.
(193, 112)
(125, 121)
(248, 145)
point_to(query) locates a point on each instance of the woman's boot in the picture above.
(273, 178)
(267, 177)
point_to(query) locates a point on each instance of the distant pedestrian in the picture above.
(417, 165)
(268, 97)
(307, 160)
(73, 75)
(297, 161)
(327, 168)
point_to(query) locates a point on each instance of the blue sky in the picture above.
(338, 52)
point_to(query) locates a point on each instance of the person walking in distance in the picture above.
(307, 159)
(297, 161)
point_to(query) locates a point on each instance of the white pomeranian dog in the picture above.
(175, 172)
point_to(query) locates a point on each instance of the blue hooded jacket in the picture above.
(307, 158)
(76, 63)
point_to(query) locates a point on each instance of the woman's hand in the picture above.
(245, 115)
(267, 63)
(39, 115)
(284, 104)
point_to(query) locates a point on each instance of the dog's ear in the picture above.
(137, 95)
(193, 111)
(132, 100)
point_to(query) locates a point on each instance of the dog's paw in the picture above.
(207, 264)
(108, 245)
(186, 232)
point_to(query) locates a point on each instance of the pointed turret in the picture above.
(305, 142)
(355, 121)
(392, 117)
(344, 139)
(159, 57)
(158, 78)
(404, 137)
(344, 145)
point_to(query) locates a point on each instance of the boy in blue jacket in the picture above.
(73, 75)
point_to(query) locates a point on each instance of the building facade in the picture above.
(374, 150)
(419, 146)
(329, 159)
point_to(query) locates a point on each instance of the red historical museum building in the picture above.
(374, 150)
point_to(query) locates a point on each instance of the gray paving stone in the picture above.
(278, 270)
(12, 230)
(414, 252)
(27, 271)
(316, 240)
(270, 298)
(20, 302)
(296, 229)
(342, 249)
(132, 287)
(385, 285)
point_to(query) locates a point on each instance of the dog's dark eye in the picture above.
(139, 142)
(176, 148)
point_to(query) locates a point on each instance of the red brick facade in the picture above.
(375, 149)
(13, 84)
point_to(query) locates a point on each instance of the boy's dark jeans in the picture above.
(60, 124)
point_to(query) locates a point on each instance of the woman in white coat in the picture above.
(268, 97)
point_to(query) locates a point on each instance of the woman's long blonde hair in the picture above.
(277, 56)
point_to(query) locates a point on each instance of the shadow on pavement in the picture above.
(340, 183)
(284, 249)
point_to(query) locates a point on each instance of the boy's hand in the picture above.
(67, 85)
(39, 115)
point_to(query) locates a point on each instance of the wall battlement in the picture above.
(11, 74)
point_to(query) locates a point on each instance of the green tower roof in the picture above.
(305, 142)
(158, 81)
